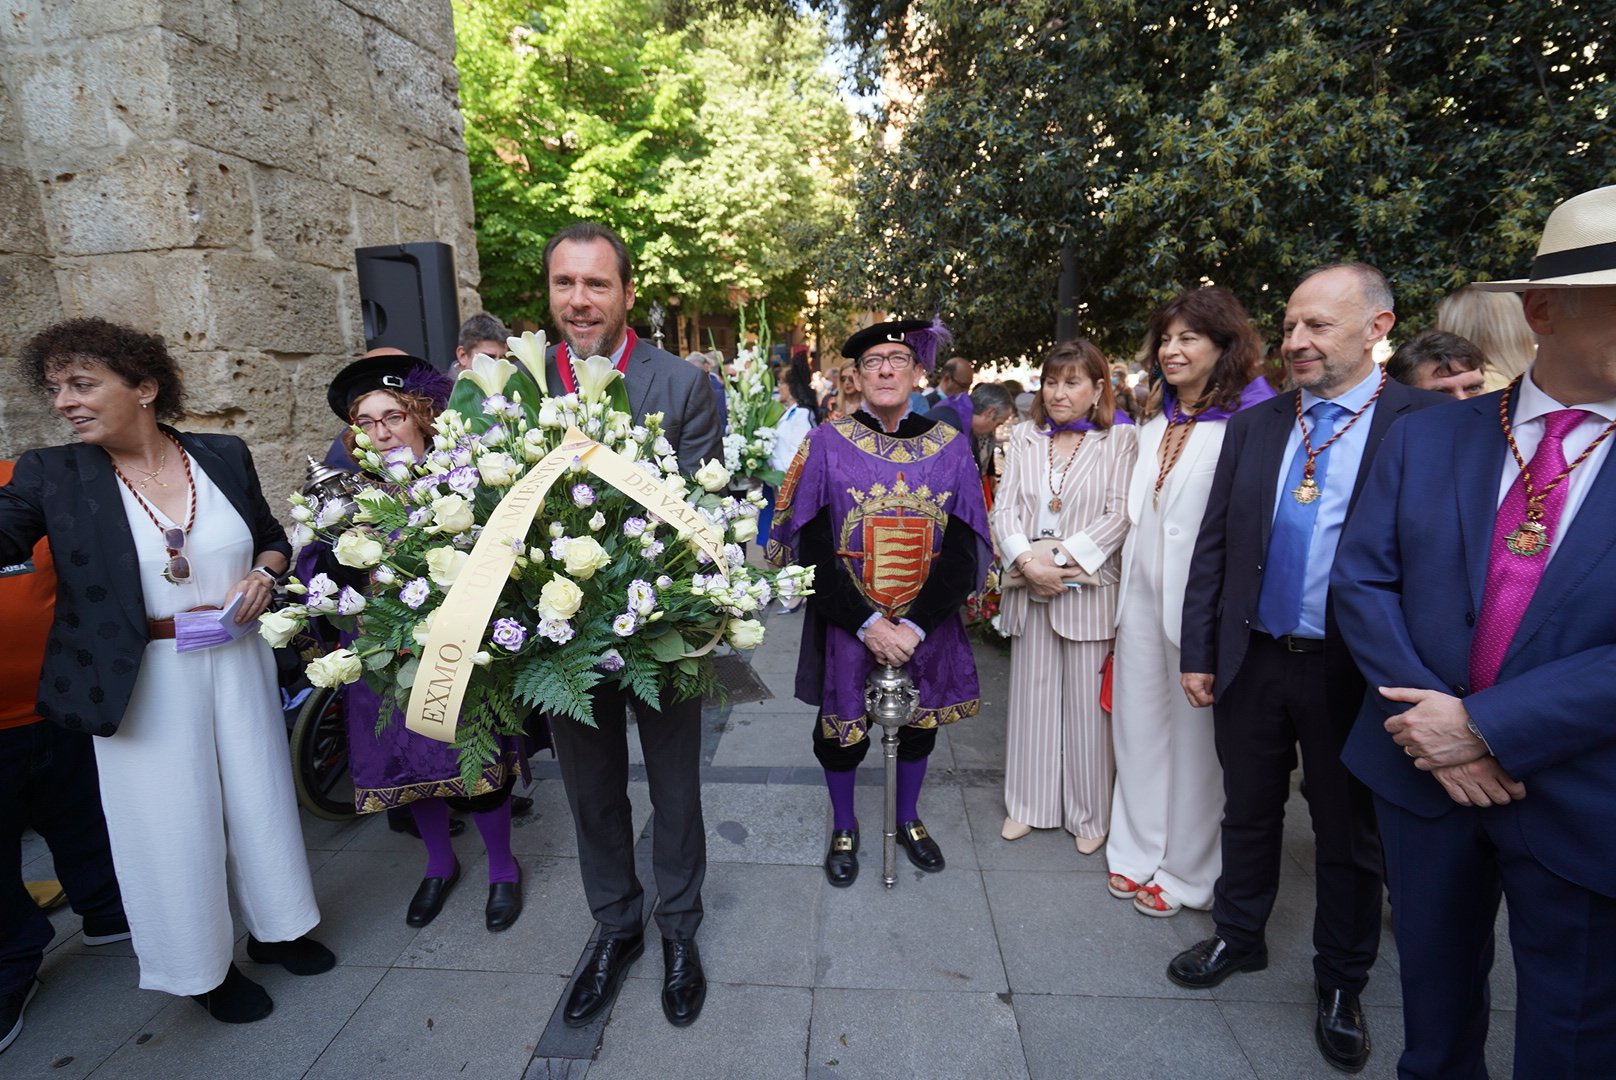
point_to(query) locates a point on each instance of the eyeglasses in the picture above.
(896, 361)
(391, 419)
(179, 567)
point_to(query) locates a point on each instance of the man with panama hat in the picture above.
(1473, 589)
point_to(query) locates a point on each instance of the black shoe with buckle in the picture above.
(684, 984)
(1342, 1032)
(1207, 963)
(920, 847)
(841, 861)
(597, 985)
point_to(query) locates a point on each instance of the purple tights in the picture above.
(432, 818)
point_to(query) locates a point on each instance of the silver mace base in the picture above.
(889, 700)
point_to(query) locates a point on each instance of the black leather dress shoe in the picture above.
(920, 847)
(504, 903)
(684, 984)
(1208, 963)
(841, 861)
(596, 987)
(237, 1000)
(304, 956)
(429, 898)
(1342, 1032)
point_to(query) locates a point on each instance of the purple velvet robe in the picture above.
(891, 498)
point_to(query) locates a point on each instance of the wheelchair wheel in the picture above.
(320, 757)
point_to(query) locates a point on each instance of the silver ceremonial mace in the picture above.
(889, 700)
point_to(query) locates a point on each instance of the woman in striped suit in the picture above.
(1169, 797)
(1059, 521)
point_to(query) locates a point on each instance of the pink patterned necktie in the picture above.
(1512, 578)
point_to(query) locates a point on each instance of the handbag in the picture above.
(1105, 680)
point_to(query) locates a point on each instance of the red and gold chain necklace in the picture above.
(1308, 490)
(1531, 537)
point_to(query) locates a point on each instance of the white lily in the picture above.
(594, 376)
(490, 375)
(530, 349)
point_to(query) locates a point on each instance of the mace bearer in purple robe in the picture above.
(887, 506)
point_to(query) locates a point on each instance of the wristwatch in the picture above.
(274, 578)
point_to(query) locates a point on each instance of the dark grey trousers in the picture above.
(594, 770)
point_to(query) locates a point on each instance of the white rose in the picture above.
(357, 549)
(452, 514)
(444, 565)
(560, 599)
(744, 529)
(335, 668)
(583, 556)
(277, 628)
(497, 470)
(423, 629)
(713, 476)
(744, 633)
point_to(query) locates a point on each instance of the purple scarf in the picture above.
(1051, 428)
(1256, 390)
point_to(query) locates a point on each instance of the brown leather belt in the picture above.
(163, 629)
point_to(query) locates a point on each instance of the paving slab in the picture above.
(873, 1035)
(185, 1043)
(745, 1033)
(363, 896)
(555, 917)
(768, 737)
(1277, 1038)
(449, 1024)
(1106, 1038)
(1058, 937)
(930, 932)
(765, 823)
(760, 927)
(1041, 849)
(86, 1008)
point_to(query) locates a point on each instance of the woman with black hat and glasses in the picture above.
(393, 399)
(154, 531)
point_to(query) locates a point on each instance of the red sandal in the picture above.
(1123, 891)
(1151, 901)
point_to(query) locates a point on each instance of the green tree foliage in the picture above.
(717, 149)
(1170, 143)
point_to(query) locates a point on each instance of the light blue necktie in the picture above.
(1279, 605)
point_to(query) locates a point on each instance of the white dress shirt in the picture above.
(1527, 424)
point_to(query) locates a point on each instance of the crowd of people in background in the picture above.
(1214, 561)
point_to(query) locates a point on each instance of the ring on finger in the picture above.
(1409, 750)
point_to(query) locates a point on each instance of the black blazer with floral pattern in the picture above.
(70, 495)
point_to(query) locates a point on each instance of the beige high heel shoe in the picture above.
(1088, 845)
(1013, 829)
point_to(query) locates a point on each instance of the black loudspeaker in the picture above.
(407, 298)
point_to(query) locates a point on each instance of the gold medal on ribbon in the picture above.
(1305, 492)
(1529, 538)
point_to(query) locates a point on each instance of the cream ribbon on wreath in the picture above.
(457, 628)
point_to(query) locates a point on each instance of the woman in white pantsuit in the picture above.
(1163, 852)
(1059, 520)
(152, 528)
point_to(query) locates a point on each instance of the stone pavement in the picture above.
(1014, 962)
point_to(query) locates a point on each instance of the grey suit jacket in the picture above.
(659, 381)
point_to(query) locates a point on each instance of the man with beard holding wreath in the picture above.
(887, 506)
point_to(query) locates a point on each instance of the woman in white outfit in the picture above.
(796, 392)
(1163, 851)
(155, 529)
(1059, 520)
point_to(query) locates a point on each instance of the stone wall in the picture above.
(204, 169)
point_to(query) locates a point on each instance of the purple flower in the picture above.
(624, 625)
(634, 526)
(414, 593)
(494, 405)
(611, 660)
(425, 489)
(508, 634)
(652, 548)
(349, 602)
(583, 495)
(641, 597)
(463, 480)
(320, 587)
(420, 516)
